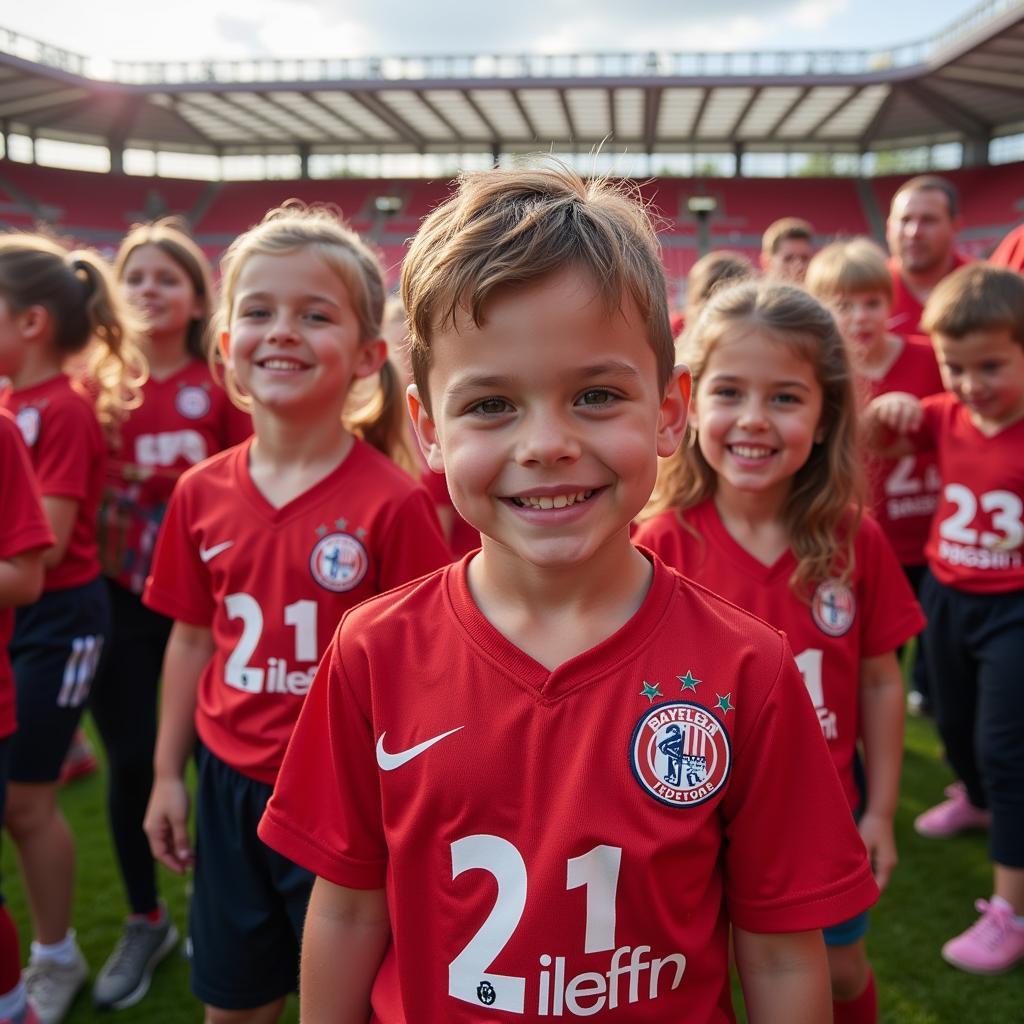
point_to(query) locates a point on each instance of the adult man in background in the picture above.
(924, 218)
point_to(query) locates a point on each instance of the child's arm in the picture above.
(881, 710)
(21, 578)
(343, 942)
(784, 977)
(189, 649)
(61, 513)
(887, 420)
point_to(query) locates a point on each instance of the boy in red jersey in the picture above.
(559, 712)
(973, 594)
(852, 280)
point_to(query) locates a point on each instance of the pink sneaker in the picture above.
(993, 944)
(954, 815)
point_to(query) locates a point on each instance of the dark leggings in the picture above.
(975, 649)
(123, 705)
(919, 670)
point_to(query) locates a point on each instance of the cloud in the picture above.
(202, 29)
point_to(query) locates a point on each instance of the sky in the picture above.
(198, 29)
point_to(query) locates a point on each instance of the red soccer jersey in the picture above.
(977, 538)
(567, 842)
(272, 584)
(23, 528)
(905, 492)
(182, 420)
(905, 315)
(68, 456)
(841, 625)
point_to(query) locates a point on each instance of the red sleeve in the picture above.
(65, 455)
(25, 526)
(890, 614)
(179, 584)
(333, 828)
(790, 833)
(413, 544)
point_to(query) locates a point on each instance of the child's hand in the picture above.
(876, 831)
(897, 410)
(166, 825)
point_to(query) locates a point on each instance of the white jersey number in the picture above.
(1006, 509)
(237, 670)
(468, 977)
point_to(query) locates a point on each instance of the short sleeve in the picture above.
(890, 614)
(65, 454)
(179, 584)
(25, 526)
(794, 860)
(412, 544)
(325, 812)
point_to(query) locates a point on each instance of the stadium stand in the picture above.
(98, 208)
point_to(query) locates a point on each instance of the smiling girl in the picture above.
(761, 505)
(263, 548)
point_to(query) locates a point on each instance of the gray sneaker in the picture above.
(52, 987)
(124, 978)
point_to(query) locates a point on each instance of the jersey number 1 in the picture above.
(597, 871)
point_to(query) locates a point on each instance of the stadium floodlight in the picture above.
(702, 206)
(387, 205)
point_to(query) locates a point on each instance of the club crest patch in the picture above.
(680, 753)
(29, 420)
(833, 608)
(339, 562)
(192, 402)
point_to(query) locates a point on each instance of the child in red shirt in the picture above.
(763, 507)
(56, 306)
(550, 776)
(853, 281)
(184, 417)
(24, 536)
(973, 593)
(263, 548)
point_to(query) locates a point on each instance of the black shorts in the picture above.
(55, 651)
(248, 902)
(975, 648)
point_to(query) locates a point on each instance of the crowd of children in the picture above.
(243, 504)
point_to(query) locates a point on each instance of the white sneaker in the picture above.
(52, 986)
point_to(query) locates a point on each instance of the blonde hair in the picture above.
(848, 267)
(514, 227)
(977, 297)
(170, 235)
(378, 418)
(825, 502)
(88, 315)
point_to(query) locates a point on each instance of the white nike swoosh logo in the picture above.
(389, 762)
(207, 553)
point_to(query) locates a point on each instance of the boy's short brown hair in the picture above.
(514, 227)
(977, 297)
(846, 268)
(785, 227)
(713, 271)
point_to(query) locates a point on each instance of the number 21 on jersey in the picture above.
(597, 871)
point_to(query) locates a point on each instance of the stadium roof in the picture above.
(964, 84)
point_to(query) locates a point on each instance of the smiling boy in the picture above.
(550, 776)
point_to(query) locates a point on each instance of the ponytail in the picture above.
(87, 316)
(380, 419)
(115, 367)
